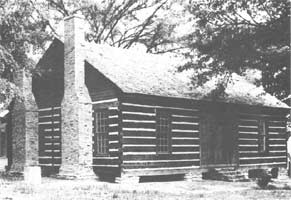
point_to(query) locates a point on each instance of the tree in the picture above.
(26, 26)
(7, 88)
(125, 23)
(20, 30)
(234, 36)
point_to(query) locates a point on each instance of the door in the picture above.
(218, 139)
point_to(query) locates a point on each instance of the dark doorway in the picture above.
(218, 138)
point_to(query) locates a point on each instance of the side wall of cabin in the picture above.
(139, 135)
(48, 85)
(48, 90)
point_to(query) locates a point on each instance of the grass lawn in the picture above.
(16, 188)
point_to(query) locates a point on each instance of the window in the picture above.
(101, 132)
(163, 130)
(262, 140)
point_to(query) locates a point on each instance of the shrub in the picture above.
(274, 172)
(263, 180)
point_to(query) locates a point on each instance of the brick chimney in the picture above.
(76, 104)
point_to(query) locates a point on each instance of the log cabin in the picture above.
(130, 114)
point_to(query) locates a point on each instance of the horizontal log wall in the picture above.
(108, 164)
(50, 139)
(249, 155)
(139, 136)
(104, 94)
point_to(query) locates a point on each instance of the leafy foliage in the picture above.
(233, 36)
(7, 89)
(20, 30)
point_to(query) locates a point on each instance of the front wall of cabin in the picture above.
(191, 127)
(139, 143)
(249, 130)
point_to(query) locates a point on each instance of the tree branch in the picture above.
(59, 6)
(145, 24)
(43, 18)
(265, 8)
(169, 50)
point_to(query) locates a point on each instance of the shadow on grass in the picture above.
(274, 187)
(162, 178)
(8, 176)
(145, 179)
